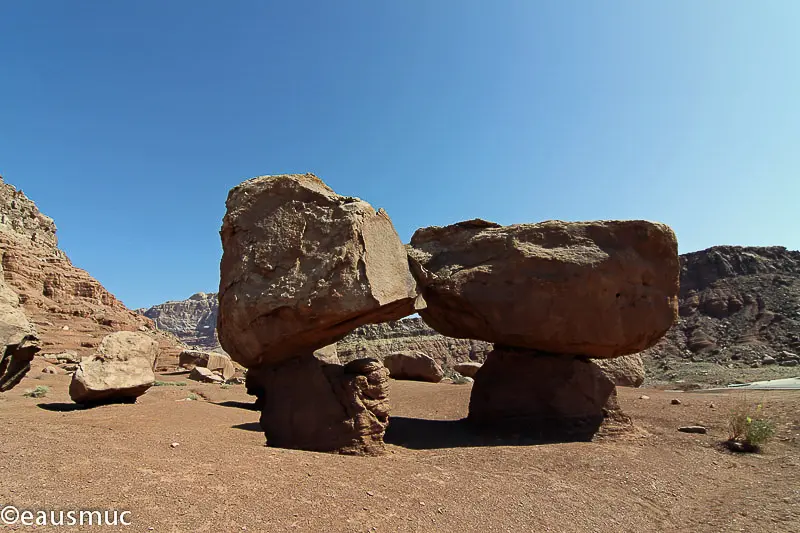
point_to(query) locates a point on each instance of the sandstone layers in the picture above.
(303, 266)
(549, 295)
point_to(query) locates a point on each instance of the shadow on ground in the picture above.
(250, 406)
(249, 426)
(63, 407)
(421, 434)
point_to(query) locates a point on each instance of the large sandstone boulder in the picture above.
(302, 267)
(18, 340)
(624, 371)
(542, 396)
(312, 405)
(601, 289)
(415, 366)
(122, 369)
(468, 369)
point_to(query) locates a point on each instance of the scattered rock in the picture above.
(312, 405)
(468, 369)
(544, 396)
(52, 370)
(768, 360)
(644, 397)
(413, 366)
(302, 267)
(601, 289)
(693, 429)
(215, 362)
(122, 369)
(675, 401)
(174, 445)
(204, 375)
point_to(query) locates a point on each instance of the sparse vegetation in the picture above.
(748, 429)
(193, 397)
(225, 386)
(169, 383)
(458, 379)
(39, 392)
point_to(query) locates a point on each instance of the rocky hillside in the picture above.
(377, 340)
(193, 321)
(739, 309)
(70, 309)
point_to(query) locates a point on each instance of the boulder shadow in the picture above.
(422, 434)
(249, 426)
(250, 406)
(63, 407)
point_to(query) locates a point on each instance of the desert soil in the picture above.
(436, 476)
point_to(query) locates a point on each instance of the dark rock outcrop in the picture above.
(540, 395)
(19, 342)
(308, 404)
(738, 306)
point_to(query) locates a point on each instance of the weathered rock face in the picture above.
(213, 362)
(302, 267)
(601, 289)
(625, 371)
(410, 334)
(18, 340)
(311, 405)
(55, 294)
(738, 306)
(415, 366)
(122, 369)
(544, 396)
(193, 321)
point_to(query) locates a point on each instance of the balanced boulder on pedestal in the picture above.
(302, 267)
(18, 340)
(550, 296)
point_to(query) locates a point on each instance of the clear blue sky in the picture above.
(128, 121)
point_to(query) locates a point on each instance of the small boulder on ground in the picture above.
(204, 375)
(122, 369)
(624, 371)
(467, 369)
(600, 289)
(302, 267)
(412, 365)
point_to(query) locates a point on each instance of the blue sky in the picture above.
(128, 122)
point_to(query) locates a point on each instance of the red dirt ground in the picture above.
(436, 477)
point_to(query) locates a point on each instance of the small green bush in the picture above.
(192, 397)
(748, 430)
(39, 392)
(169, 383)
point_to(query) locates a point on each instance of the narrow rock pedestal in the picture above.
(312, 405)
(542, 396)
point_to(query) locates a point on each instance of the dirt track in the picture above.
(435, 478)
